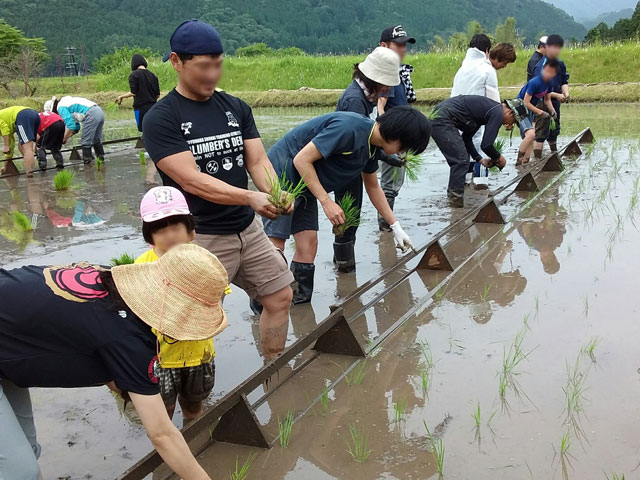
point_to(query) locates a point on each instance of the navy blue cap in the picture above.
(194, 37)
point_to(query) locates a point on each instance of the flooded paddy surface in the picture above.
(560, 277)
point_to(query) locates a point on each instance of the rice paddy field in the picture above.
(522, 365)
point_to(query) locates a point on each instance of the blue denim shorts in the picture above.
(524, 125)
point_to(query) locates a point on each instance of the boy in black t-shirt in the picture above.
(204, 142)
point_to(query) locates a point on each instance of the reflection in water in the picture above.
(546, 235)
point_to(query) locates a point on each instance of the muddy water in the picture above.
(84, 432)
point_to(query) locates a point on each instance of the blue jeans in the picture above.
(19, 450)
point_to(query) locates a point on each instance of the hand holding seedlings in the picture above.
(261, 204)
(283, 193)
(350, 212)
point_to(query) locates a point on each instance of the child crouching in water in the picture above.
(187, 372)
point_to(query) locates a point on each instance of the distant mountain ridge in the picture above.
(586, 10)
(610, 18)
(316, 26)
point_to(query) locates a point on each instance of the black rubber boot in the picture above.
(382, 224)
(57, 156)
(42, 158)
(99, 149)
(303, 284)
(537, 153)
(553, 146)
(344, 256)
(87, 156)
(256, 306)
(456, 199)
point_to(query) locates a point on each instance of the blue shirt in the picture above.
(561, 78)
(342, 138)
(537, 88)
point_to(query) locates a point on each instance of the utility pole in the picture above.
(70, 64)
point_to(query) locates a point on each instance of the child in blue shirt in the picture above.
(536, 96)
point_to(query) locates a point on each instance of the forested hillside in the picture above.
(317, 26)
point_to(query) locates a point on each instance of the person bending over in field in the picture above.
(559, 84)
(83, 326)
(50, 136)
(328, 152)
(456, 121)
(76, 111)
(187, 368)
(372, 79)
(537, 97)
(24, 122)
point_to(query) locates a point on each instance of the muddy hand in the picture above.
(333, 212)
(403, 242)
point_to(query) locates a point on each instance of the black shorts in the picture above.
(27, 124)
(52, 136)
(193, 384)
(304, 217)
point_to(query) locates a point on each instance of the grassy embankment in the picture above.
(600, 74)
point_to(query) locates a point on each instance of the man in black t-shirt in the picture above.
(536, 57)
(204, 142)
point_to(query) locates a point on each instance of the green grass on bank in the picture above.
(256, 77)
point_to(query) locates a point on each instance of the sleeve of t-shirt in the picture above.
(161, 133)
(337, 137)
(249, 129)
(133, 84)
(355, 105)
(371, 166)
(491, 129)
(131, 365)
(533, 86)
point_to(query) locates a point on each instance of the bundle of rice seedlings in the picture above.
(499, 145)
(143, 160)
(412, 165)
(99, 163)
(124, 259)
(21, 221)
(282, 192)
(351, 214)
(63, 180)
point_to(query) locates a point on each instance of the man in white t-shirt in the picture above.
(478, 73)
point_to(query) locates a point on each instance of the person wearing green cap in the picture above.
(456, 121)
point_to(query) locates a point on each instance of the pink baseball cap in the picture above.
(163, 202)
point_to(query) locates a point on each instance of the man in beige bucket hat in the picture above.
(84, 326)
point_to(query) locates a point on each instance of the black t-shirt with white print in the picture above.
(214, 131)
(58, 329)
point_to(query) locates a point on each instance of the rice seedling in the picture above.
(432, 115)
(124, 259)
(564, 454)
(510, 360)
(574, 397)
(356, 375)
(283, 192)
(425, 377)
(552, 124)
(586, 305)
(477, 416)
(351, 214)
(614, 476)
(499, 145)
(412, 165)
(427, 354)
(485, 292)
(285, 427)
(99, 163)
(357, 444)
(590, 348)
(63, 180)
(242, 471)
(324, 400)
(399, 408)
(21, 221)
(143, 159)
(437, 450)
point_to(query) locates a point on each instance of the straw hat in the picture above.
(382, 66)
(179, 295)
